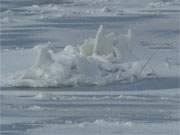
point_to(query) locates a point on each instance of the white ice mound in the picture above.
(44, 57)
(98, 61)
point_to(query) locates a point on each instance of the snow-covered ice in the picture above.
(101, 67)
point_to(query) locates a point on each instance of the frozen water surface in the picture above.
(90, 110)
(102, 67)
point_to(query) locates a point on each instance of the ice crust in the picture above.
(108, 128)
(46, 10)
(98, 61)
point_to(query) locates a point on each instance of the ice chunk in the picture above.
(103, 46)
(44, 57)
